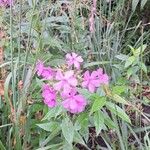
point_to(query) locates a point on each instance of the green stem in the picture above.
(17, 137)
(28, 44)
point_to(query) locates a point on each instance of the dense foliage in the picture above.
(74, 74)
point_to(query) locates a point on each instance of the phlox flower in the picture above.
(91, 82)
(66, 80)
(4, 3)
(73, 102)
(45, 72)
(102, 77)
(74, 59)
(49, 95)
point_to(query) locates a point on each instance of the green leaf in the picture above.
(119, 89)
(115, 109)
(134, 4)
(77, 126)
(78, 138)
(109, 122)
(139, 50)
(122, 57)
(132, 71)
(36, 107)
(53, 146)
(98, 122)
(143, 2)
(51, 136)
(85, 133)
(84, 92)
(99, 102)
(57, 62)
(132, 49)
(119, 99)
(50, 126)
(129, 61)
(60, 19)
(2, 147)
(53, 113)
(67, 130)
(143, 66)
(39, 82)
(67, 146)
(6, 88)
(95, 63)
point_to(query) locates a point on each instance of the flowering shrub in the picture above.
(64, 83)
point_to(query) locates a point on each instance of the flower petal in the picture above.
(91, 88)
(79, 59)
(74, 55)
(59, 75)
(68, 56)
(84, 84)
(77, 64)
(58, 86)
(87, 75)
(80, 100)
(73, 81)
(65, 104)
(100, 71)
(68, 74)
(104, 79)
(94, 74)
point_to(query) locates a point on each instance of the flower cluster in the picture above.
(4, 3)
(63, 83)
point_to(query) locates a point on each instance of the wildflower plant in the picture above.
(65, 83)
(74, 101)
(75, 96)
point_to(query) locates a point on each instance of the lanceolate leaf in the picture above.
(50, 126)
(129, 61)
(53, 113)
(134, 4)
(2, 147)
(78, 138)
(143, 2)
(119, 99)
(96, 63)
(98, 121)
(139, 50)
(99, 102)
(68, 130)
(115, 109)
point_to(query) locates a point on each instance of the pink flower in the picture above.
(94, 80)
(103, 78)
(66, 80)
(5, 3)
(45, 72)
(39, 68)
(90, 81)
(73, 102)
(49, 95)
(74, 59)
